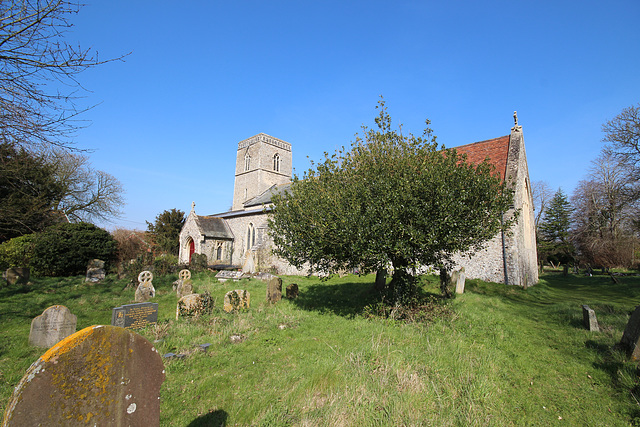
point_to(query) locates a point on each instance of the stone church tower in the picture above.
(261, 162)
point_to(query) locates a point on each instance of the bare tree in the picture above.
(88, 194)
(542, 194)
(38, 69)
(623, 133)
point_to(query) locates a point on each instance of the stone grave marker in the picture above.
(224, 275)
(236, 300)
(274, 290)
(194, 305)
(631, 336)
(265, 277)
(101, 375)
(185, 287)
(145, 276)
(589, 319)
(54, 324)
(145, 292)
(17, 275)
(458, 279)
(135, 316)
(292, 291)
(184, 274)
(249, 265)
(95, 271)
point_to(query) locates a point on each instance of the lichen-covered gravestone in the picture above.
(236, 300)
(457, 280)
(145, 292)
(194, 305)
(589, 319)
(54, 324)
(274, 290)
(17, 275)
(185, 287)
(95, 271)
(101, 375)
(631, 336)
(292, 291)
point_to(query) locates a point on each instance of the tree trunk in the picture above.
(381, 280)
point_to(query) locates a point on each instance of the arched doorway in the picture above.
(192, 248)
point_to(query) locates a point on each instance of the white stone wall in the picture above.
(190, 231)
(486, 264)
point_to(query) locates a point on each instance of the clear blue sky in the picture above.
(203, 75)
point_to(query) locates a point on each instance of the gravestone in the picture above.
(631, 336)
(54, 324)
(101, 375)
(458, 279)
(224, 275)
(184, 274)
(17, 275)
(185, 287)
(589, 319)
(145, 292)
(265, 277)
(135, 316)
(145, 276)
(274, 290)
(292, 291)
(236, 300)
(95, 271)
(249, 265)
(194, 305)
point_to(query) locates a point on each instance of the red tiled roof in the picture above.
(496, 149)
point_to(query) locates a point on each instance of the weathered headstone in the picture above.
(292, 291)
(101, 375)
(236, 300)
(145, 276)
(54, 324)
(135, 316)
(264, 276)
(631, 336)
(274, 290)
(95, 271)
(194, 305)
(184, 274)
(249, 265)
(589, 319)
(224, 275)
(17, 275)
(458, 279)
(185, 287)
(145, 292)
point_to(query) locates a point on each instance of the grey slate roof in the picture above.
(265, 197)
(214, 227)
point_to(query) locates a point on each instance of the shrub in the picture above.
(131, 244)
(65, 249)
(165, 264)
(198, 262)
(17, 252)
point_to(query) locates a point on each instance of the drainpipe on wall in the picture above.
(504, 251)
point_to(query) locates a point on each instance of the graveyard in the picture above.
(494, 355)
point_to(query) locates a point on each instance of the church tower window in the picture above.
(251, 236)
(276, 162)
(247, 162)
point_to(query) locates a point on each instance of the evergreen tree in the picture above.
(554, 242)
(166, 231)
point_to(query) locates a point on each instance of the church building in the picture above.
(239, 238)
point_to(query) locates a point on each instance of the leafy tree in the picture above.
(38, 77)
(65, 249)
(392, 200)
(623, 133)
(28, 191)
(165, 231)
(554, 240)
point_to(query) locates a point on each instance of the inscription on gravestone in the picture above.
(135, 316)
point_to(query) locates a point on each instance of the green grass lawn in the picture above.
(498, 355)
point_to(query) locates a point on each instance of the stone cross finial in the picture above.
(515, 118)
(193, 206)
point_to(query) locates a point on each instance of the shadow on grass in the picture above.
(216, 418)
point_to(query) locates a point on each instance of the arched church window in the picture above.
(276, 162)
(247, 162)
(219, 252)
(251, 236)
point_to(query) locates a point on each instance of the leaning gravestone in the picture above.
(185, 287)
(274, 290)
(589, 319)
(135, 316)
(458, 279)
(236, 300)
(194, 305)
(17, 275)
(95, 271)
(53, 325)
(101, 375)
(631, 336)
(292, 291)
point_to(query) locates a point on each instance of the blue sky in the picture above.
(204, 75)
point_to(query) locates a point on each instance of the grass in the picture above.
(498, 355)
